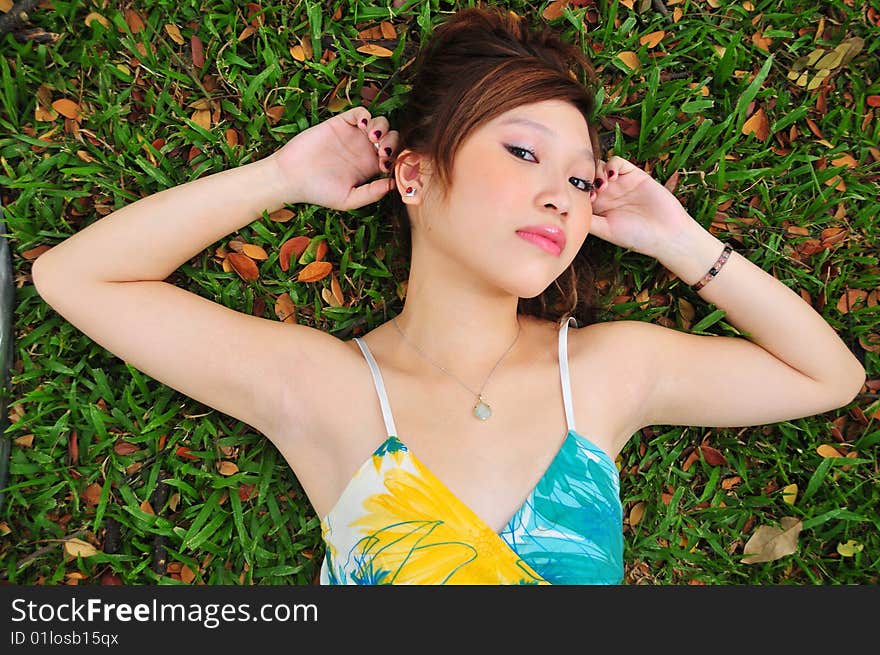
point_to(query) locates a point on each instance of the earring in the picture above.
(410, 192)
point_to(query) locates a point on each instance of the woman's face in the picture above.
(508, 175)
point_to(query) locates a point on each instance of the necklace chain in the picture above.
(484, 413)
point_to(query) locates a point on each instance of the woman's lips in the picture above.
(542, 242)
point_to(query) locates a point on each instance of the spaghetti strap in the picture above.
(390, 428)
(563, 371)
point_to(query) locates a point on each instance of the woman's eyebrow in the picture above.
(587, 152)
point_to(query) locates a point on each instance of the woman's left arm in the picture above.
(768, 312)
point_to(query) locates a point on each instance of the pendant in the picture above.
(481, 410)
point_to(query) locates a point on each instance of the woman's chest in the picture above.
(491, 465)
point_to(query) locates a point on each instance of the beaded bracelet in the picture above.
(725, 255)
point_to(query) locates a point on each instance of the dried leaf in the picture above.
(652, 39)
(98, 17)
(758, 125)
(245, 491)
(67, 108)
(183, 451)
(73, 447)
(337, 291)
(826, 450)
(122, 447)
(315, 271)
(388, 31)
(79, 548)
(147, 508)
(554, 10)
(329, 298)
(321, 250)
(292, 250)
(186, 574)
(282, 216)
(92, 494)
(227, 468)
(712, 456)
(636, 513)
(849, 548)
(789, 493)
(373, 49)
(174, 32)
(243, 265)
(134, 21)
(729, 483)
(285, 309)
(629, 58)
(254, 251)
(198, 51)
(202, 118)
(275, 114)
(769, 543)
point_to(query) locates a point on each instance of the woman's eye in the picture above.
(518, 149)
(588, 186)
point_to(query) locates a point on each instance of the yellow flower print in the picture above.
(418, 532)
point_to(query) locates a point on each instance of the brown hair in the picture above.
(479, 63)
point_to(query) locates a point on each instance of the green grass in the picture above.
(777, 195)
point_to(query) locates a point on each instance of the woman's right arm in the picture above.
(107, 281)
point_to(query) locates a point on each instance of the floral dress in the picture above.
(397, 523)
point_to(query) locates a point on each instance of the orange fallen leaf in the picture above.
(712, 456)
(92, 494)
(198, 51)
(826, 450)
(376, 50)
(636, 513)
(183, 451)
(314, 271)
(227, 468)
(629, 58)
(243, 265)
(174, 32)
(652, 39)
(285, 308)
(67, 108)
(254, 251)
(282, 216)
(292, 249)
(123, 447)
(758, 125)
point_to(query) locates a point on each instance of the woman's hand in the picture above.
(329, 163)
(633, 210)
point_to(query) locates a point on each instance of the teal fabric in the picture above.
(570, 528)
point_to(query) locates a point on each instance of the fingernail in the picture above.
(364, 121)
(377, 133)
(610, 174)
(388, 151)
(598, 183)
(388, 165)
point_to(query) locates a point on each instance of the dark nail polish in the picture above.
(377, 133)
(388, 165)
(364, 121)
(388, 151)
(610, 174)
(598, 183)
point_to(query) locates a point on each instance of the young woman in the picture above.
(472, 438)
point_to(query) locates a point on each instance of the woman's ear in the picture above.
(414, 172)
